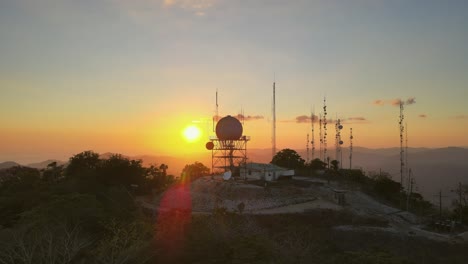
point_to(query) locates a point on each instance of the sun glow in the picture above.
(192, 133)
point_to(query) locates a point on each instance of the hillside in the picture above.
(8, 164)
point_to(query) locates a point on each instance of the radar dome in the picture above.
(229, 128)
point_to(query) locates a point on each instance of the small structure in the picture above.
(340, 196)
(262, 171)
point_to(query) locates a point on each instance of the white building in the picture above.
(262, 171)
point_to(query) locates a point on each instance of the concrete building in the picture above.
(262, 171)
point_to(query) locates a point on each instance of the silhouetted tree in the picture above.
(194, 171)
(317, 164)
(163, 167)
(52, 172)
(288, 158)
(83, 163)
(334, 165)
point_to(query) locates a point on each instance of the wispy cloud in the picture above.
(461, 117)
(422, 115)
(198, 7)
(359, 118)
(379, 102)
(249, 117)
(355, 120)
(306, 119)
(243, 117)
(410, 101)
(395, 102)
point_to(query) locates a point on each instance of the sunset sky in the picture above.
(129, 76)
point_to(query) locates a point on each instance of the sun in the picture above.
(192, 133)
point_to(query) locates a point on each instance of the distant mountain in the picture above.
(8, 164)
(434, 170)
(43, 164)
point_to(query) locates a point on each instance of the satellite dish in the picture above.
(227, 175)
(341, 142)
(340, 127)
(209, 145)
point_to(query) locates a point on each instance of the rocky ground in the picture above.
(295, 196)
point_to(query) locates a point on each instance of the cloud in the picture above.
(198, 7)
(359, 118)
(410, 101)
(306, 119)
(245, 117)
(355, 120)
(379, 102)
(395, 102)
(461, 117)
(422, 115)
(249, 117)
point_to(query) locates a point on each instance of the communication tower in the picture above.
(351, 148)
(326, 159)
(321, 138)
(402, 152)
(273, 139)
(312, 119)
(338, 141)
(229, 146)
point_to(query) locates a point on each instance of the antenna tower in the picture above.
(273, 140)
(312, 119)
(321, 137)
(216, 117)
(325, 129)
(402, 130)
(408, 171)
(338, 142)
(307, 146)
(350, 148)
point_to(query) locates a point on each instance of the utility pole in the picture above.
(410, 189)
(440, 203)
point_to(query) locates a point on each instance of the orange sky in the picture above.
(129, 76)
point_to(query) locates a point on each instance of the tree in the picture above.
(335, 165)
(317, 164)
(163, 167)
(83, 163)
(288, 158)
(194, 171)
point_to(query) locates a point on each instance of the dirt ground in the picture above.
(295, 196)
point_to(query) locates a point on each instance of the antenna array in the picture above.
(325, 129)
(312, 119)
(351, 148)
(402, 129)
(273, 140)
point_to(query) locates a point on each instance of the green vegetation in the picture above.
(288, 158)
(86, 213)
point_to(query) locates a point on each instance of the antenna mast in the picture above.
(274, 121)
(325, 129)
(307, 146)
(338, 142)
(350, 148)
(406, 153)
(216, 117)
(402, 130)
(321, 137)
(312, 119)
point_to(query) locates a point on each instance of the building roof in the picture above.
(264, 167)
